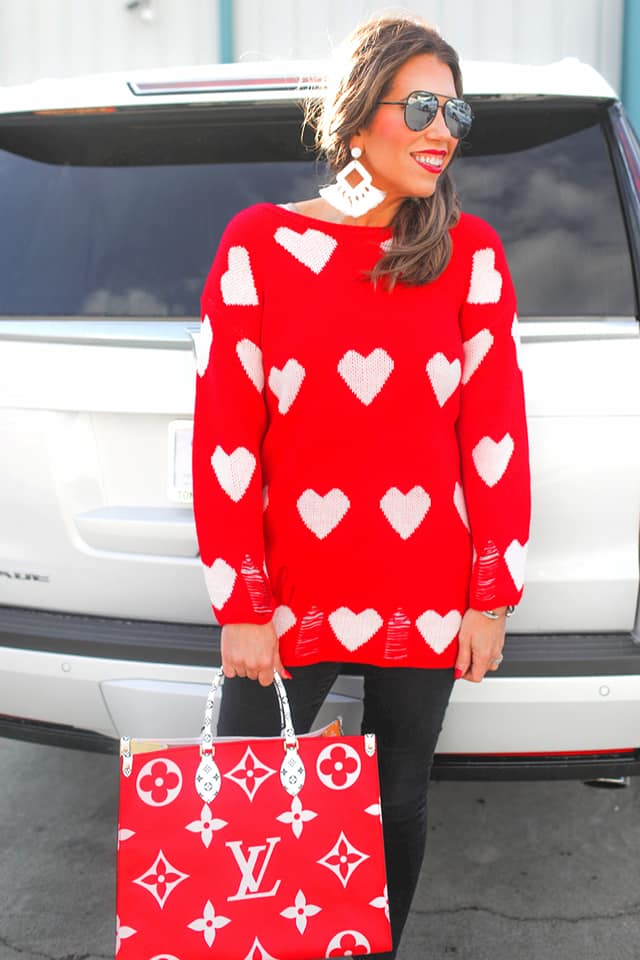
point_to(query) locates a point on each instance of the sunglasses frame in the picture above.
(440, 106)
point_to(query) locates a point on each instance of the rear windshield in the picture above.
(124, 222)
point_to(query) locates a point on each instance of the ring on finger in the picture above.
(497, 661)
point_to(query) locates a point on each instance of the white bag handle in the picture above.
(208, 778)
(286, 724)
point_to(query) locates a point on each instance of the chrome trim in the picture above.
(163, 333)
(535, 330)
(158, 332)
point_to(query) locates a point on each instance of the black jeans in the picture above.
(405, 708)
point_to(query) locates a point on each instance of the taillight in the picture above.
(73, 111)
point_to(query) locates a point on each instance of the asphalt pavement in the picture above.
(544, 871)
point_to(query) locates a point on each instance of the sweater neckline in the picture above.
(356, 229)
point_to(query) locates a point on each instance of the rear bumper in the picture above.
(445, 767)
(562, 716)
(587, 766)
(187, 644)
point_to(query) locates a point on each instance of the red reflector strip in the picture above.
(548, 753)
(73, 111)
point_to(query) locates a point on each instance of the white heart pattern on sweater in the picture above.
(312, 248)
(405, 511)
(444, 376)
(461, 504)
(234, 470)
(250, 356)
(236, 285)
(486, 281)
(354, 629)
(283, 619)
(365, 376)
(286, 383)
(220, 579)
(438, 631)
(491, 459)
(515, 557)
(322, 514)
(202, 340)
(475, 350)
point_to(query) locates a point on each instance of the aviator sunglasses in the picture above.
(421, 107)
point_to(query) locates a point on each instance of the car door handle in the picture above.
(161, 531)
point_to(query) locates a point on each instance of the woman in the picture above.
(361, 481)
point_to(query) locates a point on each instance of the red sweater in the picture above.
(360, 458)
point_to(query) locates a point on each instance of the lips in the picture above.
(431, 160)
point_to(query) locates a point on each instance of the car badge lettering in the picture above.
(19, 575)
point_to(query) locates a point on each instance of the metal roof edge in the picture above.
(281, 79)
(567, 77)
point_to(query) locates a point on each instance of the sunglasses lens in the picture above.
(420, 111)
(458, 118)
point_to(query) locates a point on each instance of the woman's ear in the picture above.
(356, 140)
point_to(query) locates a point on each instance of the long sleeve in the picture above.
(492, 429)
(229, 423)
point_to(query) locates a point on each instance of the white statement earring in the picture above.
(353, 201)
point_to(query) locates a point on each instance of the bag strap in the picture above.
(208, 779)
(286, 724)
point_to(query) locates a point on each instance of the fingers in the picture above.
(249, 667)
(463, 661)
(480, 647)
(280, 669)
(479, 666)
(483, 663)
(494, 663)
(244, 670)
(251, 651)
(265, 677)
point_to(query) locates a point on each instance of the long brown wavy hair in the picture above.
(366, 66)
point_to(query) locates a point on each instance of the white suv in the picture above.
(113, 193)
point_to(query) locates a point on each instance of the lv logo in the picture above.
(250, 883)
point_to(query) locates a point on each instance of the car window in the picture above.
(557, 210)
(121, 241)
(128, 227)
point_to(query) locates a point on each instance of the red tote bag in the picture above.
(260, 849)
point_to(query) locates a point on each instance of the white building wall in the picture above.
(61, 38)
(65, 37)
(524, 31)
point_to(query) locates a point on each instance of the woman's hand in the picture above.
(481, 640)
(251, 650)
